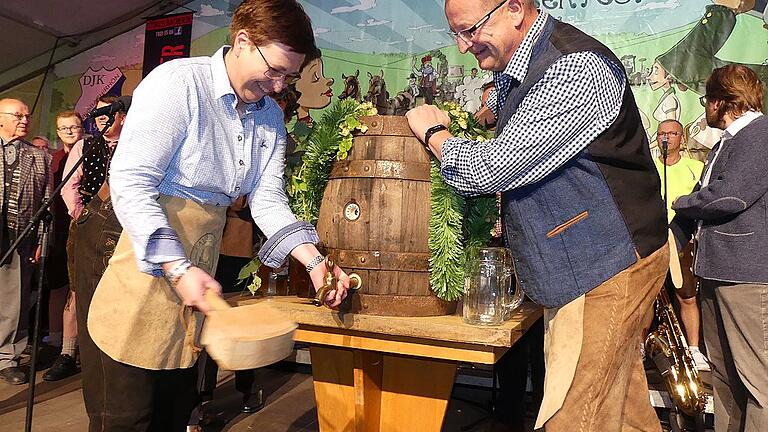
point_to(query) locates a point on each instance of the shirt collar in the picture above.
(517, 67)
(221, 85)
(740, 123)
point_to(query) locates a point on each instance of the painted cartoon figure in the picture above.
(427, 80)
(351, 86)
(413, 85)
(669, 105)
(377, 92)
(315, 90)
(694, 57)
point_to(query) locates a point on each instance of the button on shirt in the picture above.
(577, 98)
(183, 137)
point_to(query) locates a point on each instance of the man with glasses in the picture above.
(682, 175)
(581, 206)
(26, 181)
(726, 213)
(200, 133)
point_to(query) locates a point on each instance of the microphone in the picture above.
(664, 146)
(120, 105)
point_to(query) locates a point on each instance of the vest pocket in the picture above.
(567, 224)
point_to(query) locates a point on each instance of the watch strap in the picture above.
(433, 130)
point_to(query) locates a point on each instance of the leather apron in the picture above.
(563, 336)
(138, 319)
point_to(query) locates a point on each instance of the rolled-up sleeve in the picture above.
(577, 98)
(269, 208)
(154, 130)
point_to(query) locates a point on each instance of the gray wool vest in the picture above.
(592, 217)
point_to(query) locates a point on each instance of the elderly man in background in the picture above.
(26, 180)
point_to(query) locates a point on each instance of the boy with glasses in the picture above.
(61, 304)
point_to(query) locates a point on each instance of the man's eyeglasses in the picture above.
(703, 100)
(18, 116)
(275, 74)
(68, 128)
(467, 34)
(674, 134)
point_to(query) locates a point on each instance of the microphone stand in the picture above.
(43, 215)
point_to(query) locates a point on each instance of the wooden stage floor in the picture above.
(290, 406)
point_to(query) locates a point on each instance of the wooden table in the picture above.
(374, 373)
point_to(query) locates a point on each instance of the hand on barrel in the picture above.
(424, 117)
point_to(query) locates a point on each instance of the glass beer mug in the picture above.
(491, 292)
(485, 279)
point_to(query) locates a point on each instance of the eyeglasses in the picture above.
(68, 128)
(467, 34)
(674, 134)
(275, 74)
(19, 117)
(704, 100)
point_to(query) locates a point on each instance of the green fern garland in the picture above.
(450, 243)
(446, 262)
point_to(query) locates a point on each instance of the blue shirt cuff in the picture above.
(163, 246)
(277, 247)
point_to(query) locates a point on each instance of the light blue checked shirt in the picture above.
(183, 137)
(578, 98)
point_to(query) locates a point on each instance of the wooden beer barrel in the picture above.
(374, 220)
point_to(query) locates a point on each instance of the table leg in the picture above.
(368, 391)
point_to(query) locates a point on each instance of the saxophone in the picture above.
(669, 350)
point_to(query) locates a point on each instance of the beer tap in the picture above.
(330, 282)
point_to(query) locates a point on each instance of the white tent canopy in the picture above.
(30, 29)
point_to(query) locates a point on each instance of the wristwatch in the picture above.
(431, 131)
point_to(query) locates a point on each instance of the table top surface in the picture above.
(448, 328)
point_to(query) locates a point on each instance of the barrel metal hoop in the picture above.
(380, 260)
(387, 169)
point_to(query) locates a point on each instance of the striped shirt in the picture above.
(578, 97)
(183, 137)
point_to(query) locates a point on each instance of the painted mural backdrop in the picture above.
(397, 54)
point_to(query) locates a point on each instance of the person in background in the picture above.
(27, 181)
(41, 142)
(682, 175)
(727, 215)
(62, 317)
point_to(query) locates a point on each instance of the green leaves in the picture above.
(249, 270)
(446, 262)
(456, 226)
(330, 139)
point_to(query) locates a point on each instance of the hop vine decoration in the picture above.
(330, 139)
